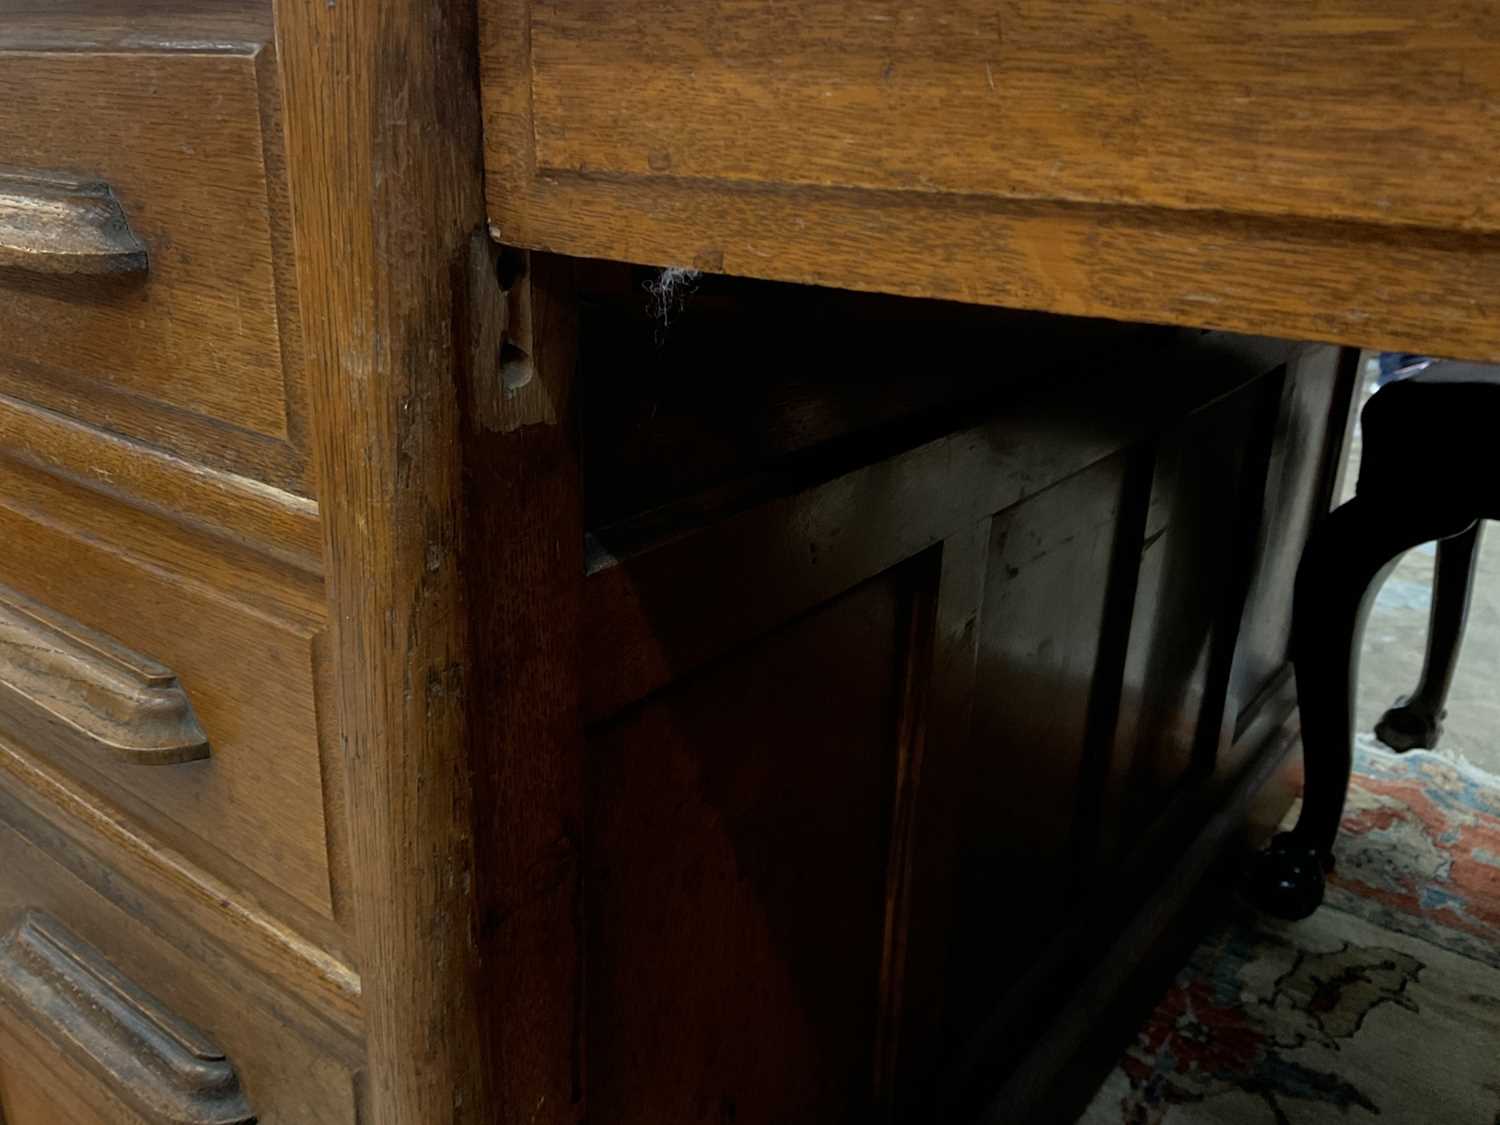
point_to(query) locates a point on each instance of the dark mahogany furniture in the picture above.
(1427, 473)
(434, 691)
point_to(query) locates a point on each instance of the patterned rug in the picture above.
(1385, 1004)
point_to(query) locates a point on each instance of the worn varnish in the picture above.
(1228, 164)
(245, 642)
(155, 1062)
(111, 700)
(1314, 114)
(58, 226)
(752, 703)
(196, 349)
(291, 1064)
(382, 130)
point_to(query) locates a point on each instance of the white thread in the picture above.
(668, 290)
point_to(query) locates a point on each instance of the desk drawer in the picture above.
(104, 1018)
(144, 272)
(1232, 163)
(1256, 107)
(175, 679)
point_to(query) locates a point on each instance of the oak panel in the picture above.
(1264, 107)
(83, 827)
(240, 508)
(291, 1070)
(245, 646)
(1236, 166)
(383, 146)
(1040, 636)
(198, 353)
(1205, 493)
(125, 1039)
(33, 1092)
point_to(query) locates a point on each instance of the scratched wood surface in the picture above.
(382, 132)
(247, 638)
(1321, 173)
(198, 351)
(293, 1067)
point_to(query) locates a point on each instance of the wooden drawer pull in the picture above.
(146, 1056)
(99, 695)
(65, 227)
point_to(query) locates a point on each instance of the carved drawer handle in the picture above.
(65, 227)
(149, 1058)
(98, 694)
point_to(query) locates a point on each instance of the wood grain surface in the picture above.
(524, 562)
(179, 889)
(254, 810)
(200, 354)
(383, 150)
(1261, 167)
(292, 1066)
(1358, 109)
(242, 510)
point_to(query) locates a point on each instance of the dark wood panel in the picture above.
(878, 708)
(681, 584)
(1205, 485)
(683, 394)
(1040, 634)
(524, 523)
(737, 875)
(1103, 977)
(1298, 484)
(939, 783)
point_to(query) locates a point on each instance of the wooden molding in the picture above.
(270, 520)
(105, 697)
(150, 1059)
(381, 111)
(230, 916)
(65, 227)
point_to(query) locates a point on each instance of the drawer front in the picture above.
(144, 274)
(174, 679)
(103, 1018)
(1304, 112)
(1077, 156)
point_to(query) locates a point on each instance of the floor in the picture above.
(1384, 1006)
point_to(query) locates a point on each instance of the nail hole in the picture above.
(510, 266)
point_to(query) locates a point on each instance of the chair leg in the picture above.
(1416, 720)
(1335, 583)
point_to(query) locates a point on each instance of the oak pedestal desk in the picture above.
(453, 671)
